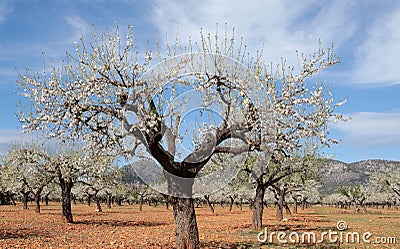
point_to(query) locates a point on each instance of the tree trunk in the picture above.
(180, 190)
(287, 209)
(97, 200)
(66, 200)
(207, 197)
(258, 205)
(46, 199)
(25, 199)
(98, 205)
(37, 200)
(109, 200)
(279, 211)
(232, 200)
(89, 200)
(187, 235)
(280, 205)
(295, 204)
(141, 203)
(5, 199)
(167, 200)
(303, 203)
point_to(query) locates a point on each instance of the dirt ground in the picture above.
(127, 227)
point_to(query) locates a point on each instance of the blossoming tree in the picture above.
(199, 100)
(28, 171)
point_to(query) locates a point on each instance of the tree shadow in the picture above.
(118, 223)
(22, 233)
(247, 245)
(310, 246)
(226, 245)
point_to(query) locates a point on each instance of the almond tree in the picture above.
(72, 166)
(108, 95)
(356, 196)
(50, 192)
(394, 182)
(29, 171)
(6, 196)
(302, 112)
(380, 190)
(98, 178)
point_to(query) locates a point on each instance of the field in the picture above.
(127, 227)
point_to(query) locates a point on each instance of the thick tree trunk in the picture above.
(180, 190)
(66, 200)
(258, 205)
(187, 235)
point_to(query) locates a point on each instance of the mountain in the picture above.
(142, 171)
(336, 173)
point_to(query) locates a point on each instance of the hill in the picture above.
(335, 173)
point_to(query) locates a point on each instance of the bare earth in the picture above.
(127, 227)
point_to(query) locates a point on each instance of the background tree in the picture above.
(51, 192)
(379, 192)
(5, 195)
(356, 196)
(29, 171)
(394, 182)
(97, 178)
(71, 165)
(302, 112)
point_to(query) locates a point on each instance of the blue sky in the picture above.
(366, 35)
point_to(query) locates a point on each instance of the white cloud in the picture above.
(281, 26)
(371, 129)
(5, 9)
(366, 34)
(377, 59)
(79, 25)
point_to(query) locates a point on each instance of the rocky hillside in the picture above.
(336, 173)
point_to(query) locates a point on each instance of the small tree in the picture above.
(29, 171)
(356, 196)
(98, 179)
(394, 182)
(301, 116)
(71, 166)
